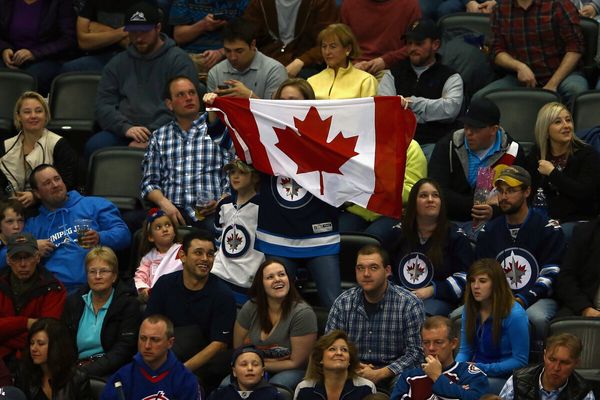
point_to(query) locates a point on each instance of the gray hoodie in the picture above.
(131, 90)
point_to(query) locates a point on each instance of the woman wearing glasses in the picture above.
(103, 316)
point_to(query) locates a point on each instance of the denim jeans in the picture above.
(101, 140)
(325, 272)
(92, 63)
(437, 307)
(572, 85)
(380, 228)
(540, 314)
(43, 71)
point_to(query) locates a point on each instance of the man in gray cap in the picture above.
(528, 246)
(27, 292)
(458, 156)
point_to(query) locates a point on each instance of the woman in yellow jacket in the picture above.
(340, 80)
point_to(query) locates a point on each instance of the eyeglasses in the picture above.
(100, 272)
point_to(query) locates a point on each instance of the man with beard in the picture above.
(57, 229)
(201, 307)
(528, 246)
(432, 90)
(129, 102)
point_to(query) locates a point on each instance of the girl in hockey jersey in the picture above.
(237, 261)
(495, 328)
(160, 249)
(431, 255)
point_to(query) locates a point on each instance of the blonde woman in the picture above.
(32, 146)
(340, 80)
(563, 166)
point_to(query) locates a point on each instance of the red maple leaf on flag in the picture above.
(309, 148)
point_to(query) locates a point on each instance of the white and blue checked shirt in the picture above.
(392, 337)
(180, 164)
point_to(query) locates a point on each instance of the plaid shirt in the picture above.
(392, 337)
(180, 164)
(539, 36)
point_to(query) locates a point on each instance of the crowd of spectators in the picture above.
(501, 238)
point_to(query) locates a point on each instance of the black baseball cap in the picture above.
(482, 112)
(21, 243)
(423, 29)
(141, 17)
(249, 348)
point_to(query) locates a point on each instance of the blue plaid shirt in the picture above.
(392, 337)
(180, 164)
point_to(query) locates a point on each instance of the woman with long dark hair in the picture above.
(277, 321)
(47, 370)
(495, 328)
(431, 255)
(331, 372)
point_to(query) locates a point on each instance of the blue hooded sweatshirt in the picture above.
(66, 261)
(169, 382)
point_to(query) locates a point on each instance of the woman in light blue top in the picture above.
(495, 329)
(103, 317)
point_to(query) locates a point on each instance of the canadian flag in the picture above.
(339, 150)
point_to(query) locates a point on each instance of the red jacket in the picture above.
(45, 299)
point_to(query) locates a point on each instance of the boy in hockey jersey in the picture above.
(236, 261)
(440, 376)
(155, 372)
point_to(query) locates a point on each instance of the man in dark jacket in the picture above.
(578, 282)
(457, 157)
(555, 378)
(27, 292)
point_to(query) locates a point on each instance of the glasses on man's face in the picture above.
(509, 191)
(99, 272)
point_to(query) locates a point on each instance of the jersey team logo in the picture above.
(288, 194)
(520, 266)
(157, 396)
(415, 270)
(235, 241)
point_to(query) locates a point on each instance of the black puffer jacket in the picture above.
(119, 330)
